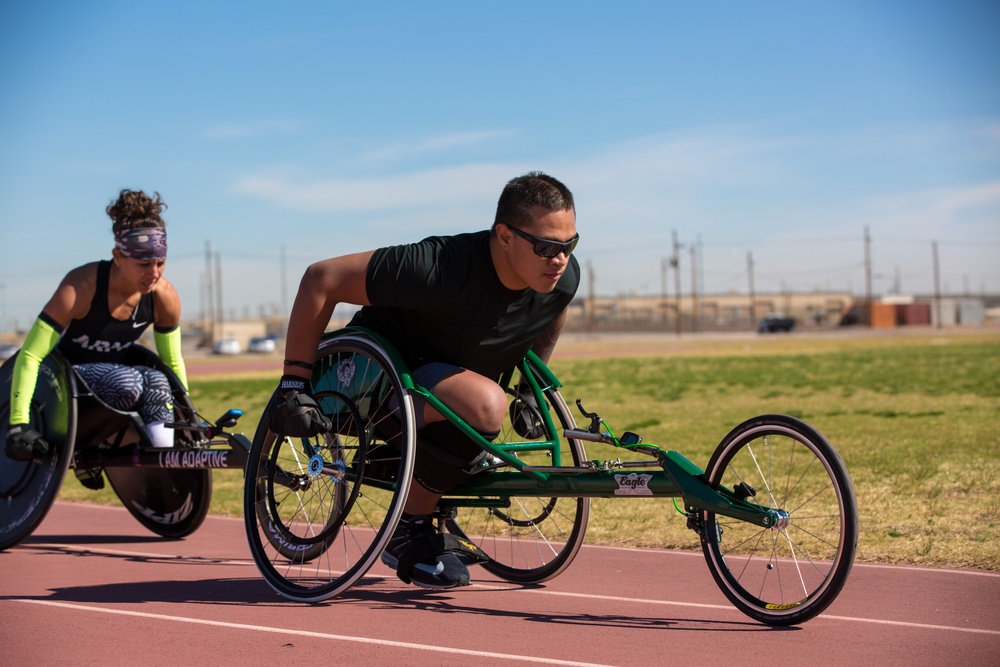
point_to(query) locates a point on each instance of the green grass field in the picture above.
(915, 417)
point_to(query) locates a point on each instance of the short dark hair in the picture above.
(134, 209)
(522, 194)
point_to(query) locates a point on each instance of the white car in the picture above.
(228, 346)
(7, 351)
(261, 345)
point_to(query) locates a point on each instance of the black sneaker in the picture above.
(413, 541)
(92, 478)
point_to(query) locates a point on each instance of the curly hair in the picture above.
(134, 210)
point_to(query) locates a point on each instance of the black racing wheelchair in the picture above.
(167, 490)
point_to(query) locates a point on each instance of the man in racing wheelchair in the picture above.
(98, 311)
(461, 310)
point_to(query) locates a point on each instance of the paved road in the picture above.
(92, 587)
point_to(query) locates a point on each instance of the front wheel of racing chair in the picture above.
(528, 539)
(791, 571)
(320, 510)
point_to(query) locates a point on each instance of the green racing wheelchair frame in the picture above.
(774, 509)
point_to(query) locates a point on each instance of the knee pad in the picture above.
(446, 457)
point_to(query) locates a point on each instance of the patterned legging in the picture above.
(138, 388)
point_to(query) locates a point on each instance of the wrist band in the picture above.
(300, 364)
(292, 382)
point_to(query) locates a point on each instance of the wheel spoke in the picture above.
(532, 539)
(790, 572)
(317, 526)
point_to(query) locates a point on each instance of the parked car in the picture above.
(228, 346)
(774, 322)
(7, 351)
(261, 345)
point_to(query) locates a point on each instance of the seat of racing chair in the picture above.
(98, 422)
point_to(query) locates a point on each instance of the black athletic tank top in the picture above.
(98, 337)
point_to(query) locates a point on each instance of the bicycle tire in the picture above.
(791, 572)
(319, 511)
(530, 540)
(28, 489)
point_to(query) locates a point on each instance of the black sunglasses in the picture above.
(547, 248)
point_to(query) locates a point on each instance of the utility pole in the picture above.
(209, 320)
(868, 275)
(753, 298)
(937, 284)
(664, 270)
(218, 291)
(701, 282)
(675, 261)
(694, 288)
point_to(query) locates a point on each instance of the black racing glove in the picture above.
(25, 443)
(524, 415)
(298, 415)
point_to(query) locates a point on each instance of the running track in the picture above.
(92, 587)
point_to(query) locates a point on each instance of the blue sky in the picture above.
(780, 129)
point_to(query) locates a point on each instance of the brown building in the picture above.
(712, 312)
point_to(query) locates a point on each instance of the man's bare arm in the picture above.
(324, 285)
(546, 341)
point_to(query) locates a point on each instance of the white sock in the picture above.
(160, 435)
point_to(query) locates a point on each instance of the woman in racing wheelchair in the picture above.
(98, 311)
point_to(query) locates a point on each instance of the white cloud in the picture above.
(937, 211)
(785, 197)
(643, 173)
(437, 187)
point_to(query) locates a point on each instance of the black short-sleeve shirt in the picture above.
(441, 300)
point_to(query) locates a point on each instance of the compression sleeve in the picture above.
(40, 341)
(168, 345)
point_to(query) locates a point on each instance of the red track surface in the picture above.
(91, 586)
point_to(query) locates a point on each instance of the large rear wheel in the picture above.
(529, 539)
(320, 510)
(27, 489)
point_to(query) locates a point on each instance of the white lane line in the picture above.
(606, 598)
(318, 635)
(695, 552)
(905, 624)
(866, 566)
(722, 607)
(927, 570)
(590, 596)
